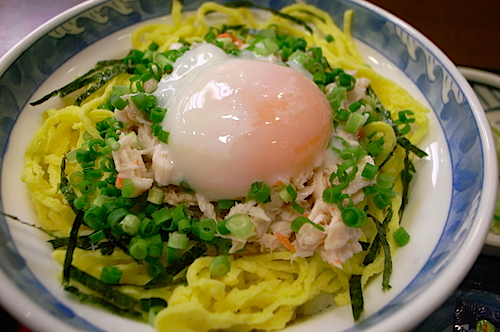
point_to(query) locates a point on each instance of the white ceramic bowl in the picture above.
(452, 197)
(486, 85)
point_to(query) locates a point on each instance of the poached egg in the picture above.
(235, 121)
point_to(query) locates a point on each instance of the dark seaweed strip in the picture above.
(380, 241)
(373, 252)
(64, 90)
(100, 73)
(385, 116)
(71, 246)
(94, 300)
(389, 156)
(108, 292)
(406, 144)
(66, 188)
(186, 258)
(82, 242)
(248, 4)
(381, 229)
(178, 265)
(115, 242)
(27, 224)
(104, 78)
(356, 293)
(406, 177)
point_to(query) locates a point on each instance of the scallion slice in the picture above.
(401, 236)
(219, 266)
(111, 274)
(240, 226)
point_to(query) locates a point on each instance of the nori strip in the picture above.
(248, 4)
(71, 246)
(101, 73)
(356, 293)
(380, 241)
(177, 266)
(406, 144)
(49, 233)
(385, 116)
(94, 300)
(66, 188)
(108, 292)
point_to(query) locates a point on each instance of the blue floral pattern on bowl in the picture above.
(32, 67)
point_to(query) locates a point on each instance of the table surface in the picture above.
(469, 38)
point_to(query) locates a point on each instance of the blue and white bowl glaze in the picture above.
(452, 199)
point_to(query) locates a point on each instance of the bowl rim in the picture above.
(492, 79)
(30, 314)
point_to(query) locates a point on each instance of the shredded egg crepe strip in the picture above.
(260, 292)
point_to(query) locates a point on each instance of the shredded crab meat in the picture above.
(130, 115)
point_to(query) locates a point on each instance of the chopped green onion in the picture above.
(154, 269)
(207, 229)
(240, 226)
(298, 222)
(329, 38)
(163, 136)
(219, 266)
(369, 171)
(115, 216)
(111, 274)
(385, 180)
(81, 202)
(130, 224)
(259, 192)
(155, 195)
(107, 165)
(178, 240)
(87, 187)
(143, 101)
(157, 114)
(347, 81)
(138, 248)
(381, 200)
(95, 218)
(180, 212)
(184, 226)
(155, 248)
(120, 90)
(225, 204)
(354, 217)
(112, 143)
(185, 187)
(221, 228)
(117, 102)
(401, 236)
(331, 195)
(148, 227)
(288, 193)
(171, 254)
(354, 106)
(336, 97)
(354, 122)
(342, 114)
(97, 236)
(128, 187)
(162, 215)
(76, 178)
